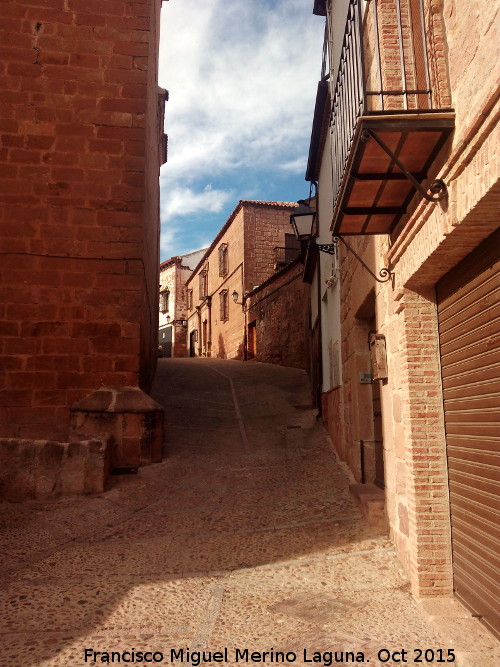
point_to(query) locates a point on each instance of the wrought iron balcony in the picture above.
(285, 255)
(387, 110)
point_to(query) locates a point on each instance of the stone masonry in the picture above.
(81, 122)
(174, 273)
(430, 241)
(278, 317)
(250, 236)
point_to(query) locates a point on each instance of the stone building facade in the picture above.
(409, 366)
(82, 142)
(172, 333)
(242, 256)
(278, 317)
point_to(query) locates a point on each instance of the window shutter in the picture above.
(224, 305)
(223, 257)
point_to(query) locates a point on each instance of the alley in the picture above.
(245, 536)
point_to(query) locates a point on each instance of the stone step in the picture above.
(371, 501)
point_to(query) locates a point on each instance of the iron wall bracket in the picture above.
(384, 273)
(331, 249)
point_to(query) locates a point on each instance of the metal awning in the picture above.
(389, 160)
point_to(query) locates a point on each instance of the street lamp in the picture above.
(302, 221)
(234, 297)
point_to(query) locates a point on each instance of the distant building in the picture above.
(278, 313)
(255, 241)
(172, 333)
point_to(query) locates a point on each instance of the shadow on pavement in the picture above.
(136, 566)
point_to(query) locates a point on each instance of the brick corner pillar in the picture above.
(131, 417)
(429, 531)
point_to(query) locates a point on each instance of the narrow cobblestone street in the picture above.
(245, 536)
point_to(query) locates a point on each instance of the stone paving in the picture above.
(244, 538)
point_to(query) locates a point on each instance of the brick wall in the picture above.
(431, 240)
(265, 229)
(279, 311)
(394, 69)
(80, 118)
(181, 311)
(251, 233)
(223, 339)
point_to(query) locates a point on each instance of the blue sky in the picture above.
(242, 77)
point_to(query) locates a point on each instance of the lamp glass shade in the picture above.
(302, 221)
(234, 296)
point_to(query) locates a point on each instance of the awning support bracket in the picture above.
(331, 249)
(437, 188)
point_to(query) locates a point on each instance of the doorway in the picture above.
(166, 341)
(252, 340)
(204, 339)
(378, 438)
(192, 343)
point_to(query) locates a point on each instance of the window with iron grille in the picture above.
(203, 284)
(223, 260)
(189, 299)
(224, 305)
(164, 301)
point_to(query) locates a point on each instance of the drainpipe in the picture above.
(245, 310)
(320, 334)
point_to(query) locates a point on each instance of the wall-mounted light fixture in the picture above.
(234, 297)
(182, 323)
(302, 221)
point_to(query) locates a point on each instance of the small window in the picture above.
(189, 299)
(203, 284)
(224, 305)
(164, 301)
(223, 260)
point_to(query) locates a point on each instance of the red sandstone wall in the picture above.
(265, 228)
(152, 122)
(251, 233)
(224, 338)
(78, 223)
(180, 331)
(280, 310)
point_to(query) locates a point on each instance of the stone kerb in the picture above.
(131, 417)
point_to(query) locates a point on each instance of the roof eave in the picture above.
(318, 131)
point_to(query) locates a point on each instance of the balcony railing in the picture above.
(383, 72)
(349, 99)
(283, 256)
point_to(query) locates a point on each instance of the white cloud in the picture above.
(242, 79)
(168, 241)
(181, 201)
(294, 166)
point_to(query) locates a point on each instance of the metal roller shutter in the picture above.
(469, 332)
